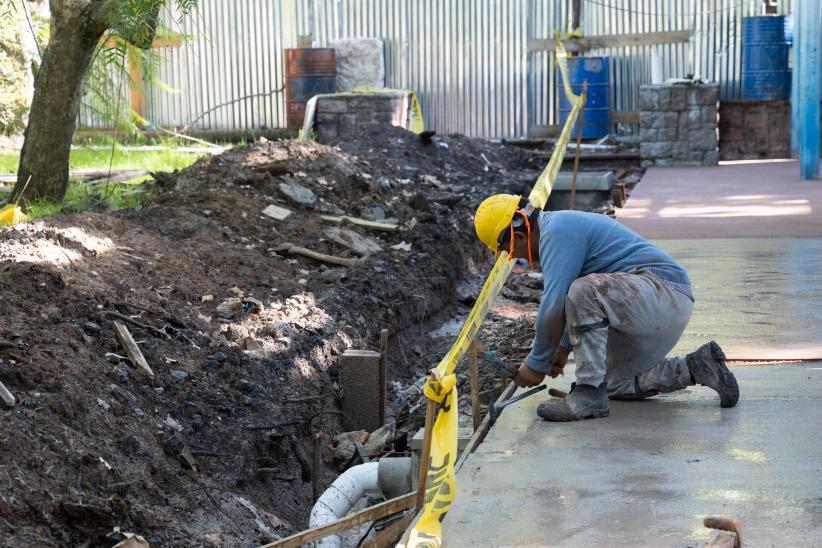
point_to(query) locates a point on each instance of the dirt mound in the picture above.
(241, 333)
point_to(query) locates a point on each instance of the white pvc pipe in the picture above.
(338, 499)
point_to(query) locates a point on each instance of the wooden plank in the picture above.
(135, 356)
(391, 534)
(624, 117)
(430, 415)
(377, 511)
(578, 45)
(383, 367)
(388, 227)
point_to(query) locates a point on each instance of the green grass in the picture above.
(165, 160)
(82, 197)
(100, 197)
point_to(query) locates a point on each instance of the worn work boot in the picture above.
(582, 402)
(707, 367)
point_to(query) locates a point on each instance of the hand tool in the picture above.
(494, 410)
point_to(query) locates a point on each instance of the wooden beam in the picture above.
(322, 257)
(135, 356)
(388, 227)
(577, 45)
(375, 512)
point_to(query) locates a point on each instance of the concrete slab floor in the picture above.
(743, 199)
(649, 473)
(760, 298)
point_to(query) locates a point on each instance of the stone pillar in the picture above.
(341, 113)
(360, 383)
(678, 124)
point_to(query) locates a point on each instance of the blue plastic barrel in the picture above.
(594, 70)
(766, 75)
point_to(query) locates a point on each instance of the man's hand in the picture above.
(559, 361)
(527, 377)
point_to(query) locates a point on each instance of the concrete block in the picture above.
(646, 119)
(703, 94)
(678, 100)
(711, 158)
(701, 138)
(602, 181)
(359, 377)
(659, 149)
(327, 133)
(696, 156)
(325, 117)
(669, 133)
(664, 98)
(683, 123)
(680, 150)
(350, 121)
(648, 98)
(332, 104)
(648, 134)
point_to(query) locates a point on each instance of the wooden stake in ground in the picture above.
(135, 356)
(383, 365)
(576, 156)
(317, 472)
(430, 415)
(472, 363)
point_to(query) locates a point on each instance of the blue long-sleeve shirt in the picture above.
(573, 244)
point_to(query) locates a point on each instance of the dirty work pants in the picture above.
(622, 325)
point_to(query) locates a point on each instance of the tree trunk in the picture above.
(44, 159)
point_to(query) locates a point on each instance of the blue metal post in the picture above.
(795, 86)
(810, 22)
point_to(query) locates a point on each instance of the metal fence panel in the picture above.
(467, 60)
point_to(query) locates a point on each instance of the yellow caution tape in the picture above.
(440, 481)
(11, 214)
(415, 120)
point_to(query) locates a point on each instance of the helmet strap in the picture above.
(524, 214)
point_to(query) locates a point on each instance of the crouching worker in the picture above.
(618, 301)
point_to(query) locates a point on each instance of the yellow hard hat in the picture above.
(493, 215)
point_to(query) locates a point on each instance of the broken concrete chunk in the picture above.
(352, 240)
(334, 274)
(297, 193)
(402, 246)
(380, 439)
(327, 207)
(178, 374)
(360, 62)
(372, 213)
(345, 445)
(277, 212)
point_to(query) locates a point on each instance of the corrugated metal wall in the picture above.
(467, 60)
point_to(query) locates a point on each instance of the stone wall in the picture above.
(678, 124)
(754, 129)
(344, 112)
